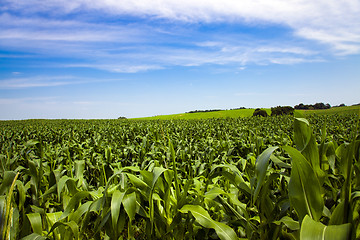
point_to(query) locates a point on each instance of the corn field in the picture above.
(245, 178)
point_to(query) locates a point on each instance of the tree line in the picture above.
(313, 106)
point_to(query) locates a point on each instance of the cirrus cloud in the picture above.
(155, 34)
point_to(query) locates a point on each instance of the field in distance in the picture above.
(204, 115)
(248, 113)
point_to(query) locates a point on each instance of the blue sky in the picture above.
(105, 59)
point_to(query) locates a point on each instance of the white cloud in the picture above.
(292, 50)
(295, 13)
(50, 81)
(124, 49)
(44, 29)
(139, 46)
(38, 81)
(25, 100)
(118, 68)
(238, 54)
(343, 41)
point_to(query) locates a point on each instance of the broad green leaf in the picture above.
(79, 173)
(7, 181)
(278, 162)
(344, 154)
(203, 218)
(214, 192)
(157, 171)
(314, 230)
(34, 236)
(261, 166)
(78, 214)
(116, 200)
(35, 222)
(129, 203)
(34, 172)
(306, 144)
(74, 228)
(74, 201)
(355, 195)
(138, 183)
(331, 156)
(53, 217)
(71, 225)
(302, 133)
(289, 223)
(304, 187)
(338, 215)
(61, 184)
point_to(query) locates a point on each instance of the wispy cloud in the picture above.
(45, 29)
(343, 42)
(26, 100)
(308, 19)
(159, 38)
(29, 82)
(47, 81)
(118, 68)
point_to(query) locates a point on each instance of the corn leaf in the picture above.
(304, 187)
(314, 230)
(34, 236)
(203, 218)
(115, 206)
(261, 166)
(129, 202)
(35, 222)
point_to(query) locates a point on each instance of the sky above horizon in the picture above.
(105, 59)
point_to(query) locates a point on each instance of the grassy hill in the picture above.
(203, 115)
(247, 113)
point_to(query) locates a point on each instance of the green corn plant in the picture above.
(7, 212)
(203, 218)
(311, 229)
(270, 178)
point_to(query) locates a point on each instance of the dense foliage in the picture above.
(210, 110)
(260, 112)
(253, 178)
(315, 106)
(282, 110)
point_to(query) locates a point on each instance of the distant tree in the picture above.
(202, 111)
(300, 106)
(320, 106)
(122, 118)
(282, 110)
(260, 112)
(342, 105)
(312, 107)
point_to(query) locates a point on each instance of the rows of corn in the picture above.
(249, 178)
